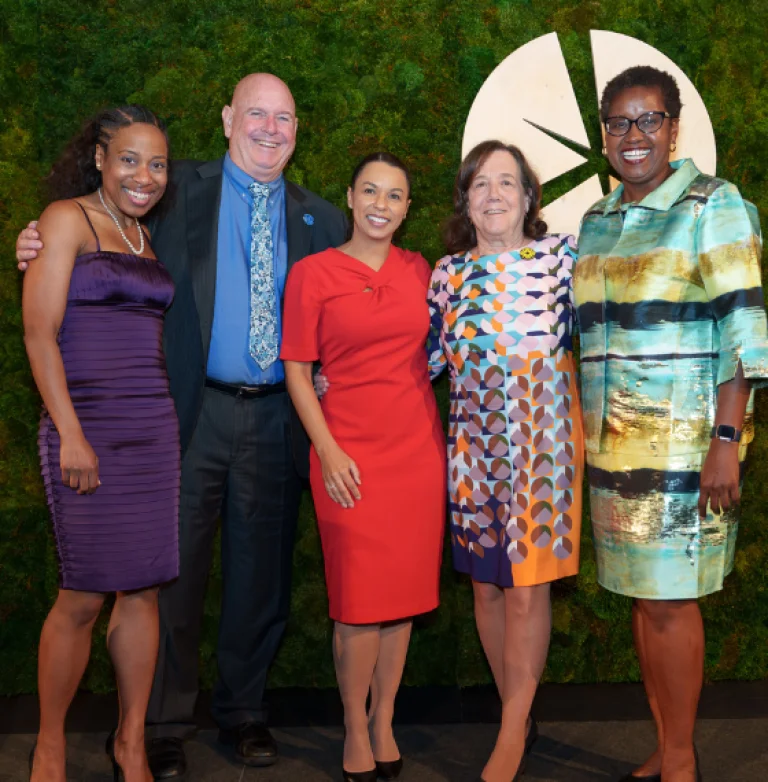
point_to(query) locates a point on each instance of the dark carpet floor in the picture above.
(588, 732)
(730, 751)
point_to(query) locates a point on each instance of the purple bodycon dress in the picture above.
(125, 535)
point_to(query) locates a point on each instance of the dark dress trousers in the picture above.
(242, 461)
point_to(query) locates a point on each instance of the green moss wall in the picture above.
(399, 75)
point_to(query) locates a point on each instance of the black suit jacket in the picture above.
(185, 239)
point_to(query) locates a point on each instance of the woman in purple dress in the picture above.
(93, 308)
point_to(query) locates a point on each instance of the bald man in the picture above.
(244, 451)
(229, 243)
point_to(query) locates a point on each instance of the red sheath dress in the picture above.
(368, 329)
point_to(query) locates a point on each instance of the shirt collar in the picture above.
(666, 194)
(241, 180)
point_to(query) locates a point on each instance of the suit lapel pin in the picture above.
(308, 219)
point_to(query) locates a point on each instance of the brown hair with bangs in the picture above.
(459, 234)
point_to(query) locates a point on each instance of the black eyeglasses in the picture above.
(649, 122)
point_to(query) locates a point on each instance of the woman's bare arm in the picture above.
(44, 302)
(340, 473)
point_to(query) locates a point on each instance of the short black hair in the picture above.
(642, 76)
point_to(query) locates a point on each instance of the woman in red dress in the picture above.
(377, 465)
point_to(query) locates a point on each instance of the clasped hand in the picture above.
(79, 465)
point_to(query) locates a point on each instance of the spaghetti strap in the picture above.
(93, 230)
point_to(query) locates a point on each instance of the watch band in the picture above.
(728, 433)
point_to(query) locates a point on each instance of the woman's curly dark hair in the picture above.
(459, 233)
(74, 173)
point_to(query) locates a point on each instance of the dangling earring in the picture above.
(604, 151)
(672, 147)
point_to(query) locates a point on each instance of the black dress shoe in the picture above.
(166, 758)
(252, 742)
(389, 769)
(359, 776)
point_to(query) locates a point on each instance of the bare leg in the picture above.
(355, 651)
(653, 764)
(132, 640)
(673, 635)
(65, 646)
(489, 618)
(526, 642)
(393, 648)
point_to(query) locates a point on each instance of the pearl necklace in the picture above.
(120, 227)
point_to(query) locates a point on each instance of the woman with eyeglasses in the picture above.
(673, 342)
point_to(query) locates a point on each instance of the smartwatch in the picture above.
(728, 433)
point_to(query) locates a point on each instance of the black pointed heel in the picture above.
(389, 769)
(109, 747)
(657, 777)
(520, 769)
(32, 758)
(518, 774)
(359, 776)
(532, 736)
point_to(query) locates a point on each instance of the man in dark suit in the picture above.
(236, 423)
(234, 228)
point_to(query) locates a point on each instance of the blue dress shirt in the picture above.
(228, 358)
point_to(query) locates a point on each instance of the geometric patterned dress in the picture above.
(670, 302)
(502, 325)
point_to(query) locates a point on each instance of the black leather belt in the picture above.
(245, 392)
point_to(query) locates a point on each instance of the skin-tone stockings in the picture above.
(65, 647)
(669, 638)
(514, 627)
(369, 658)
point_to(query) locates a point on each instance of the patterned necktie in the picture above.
(262, 340)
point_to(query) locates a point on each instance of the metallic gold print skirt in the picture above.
(649, 540)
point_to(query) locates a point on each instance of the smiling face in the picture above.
(261, 126)
(134, 168)
(379, 201)
(640, 159)
(498, 202)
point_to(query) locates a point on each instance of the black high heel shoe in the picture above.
(389, 769)
(520, 769)
(699, 778)
(117, 772)
(657, 777)
(518, 774)
(532, 736)
(32, 758)
(359, 776)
